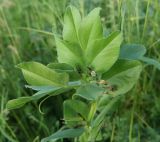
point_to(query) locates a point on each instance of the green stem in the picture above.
(92, 111)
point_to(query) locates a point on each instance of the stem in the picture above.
(92, 111)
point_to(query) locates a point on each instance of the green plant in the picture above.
(93, 66)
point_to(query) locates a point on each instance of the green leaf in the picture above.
(90, 28)
(90, 91)
(69, 53)
(136, 51)
(75, 111)
(40, 88)
(39, 75)
(68, 133)
(45, 91)
(132, 51)
(123, 75)
(62, 67)
(150, 61)
(17, 103)
(74, 83)
(72, 21)
(42, 91)
(107, 52)
(97, 46)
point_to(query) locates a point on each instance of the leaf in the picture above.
(72, 21)
(75, 111)
(132, 51)
(150, 61)
(62, 67)
(90, 28)
(90, 91)
(123, 75)
(69, 53)
(17, 103)
(74, 83)
(97, 46)
(42, 91)
(45, 91)
(108, 53)
(40, 88)
(136, 51)
(39, 75)
(68, 133)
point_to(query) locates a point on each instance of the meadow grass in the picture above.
(26, 33)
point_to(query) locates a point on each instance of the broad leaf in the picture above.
(136, 51)
(132, 51)
(42, 91)
(75, 111)
(39, 75)
(72, 21)
(45, 91)
(62, 67)
(68, 133)
(90, 91)
(97, 46)
(17, 103)
(123, 75)
(69, 53)
(108, 52)
(90, 28)
(150, 61)
(74, 83)
(40, 88)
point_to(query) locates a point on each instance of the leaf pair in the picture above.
(83, 43)
(44, 80)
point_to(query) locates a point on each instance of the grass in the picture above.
(26, 33)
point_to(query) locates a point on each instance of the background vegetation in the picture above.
(26, 33)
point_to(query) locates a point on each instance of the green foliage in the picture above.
(90, 28)
(69, 53)
(17, 103)
(75, 111)
(137, 52)
(91, 71)
(83, 50)
(108, 55)
(72, 20)
(62, 67)
(37, 74)
(132, 51)
(123, 75)
(68, 133)
(90, 91)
